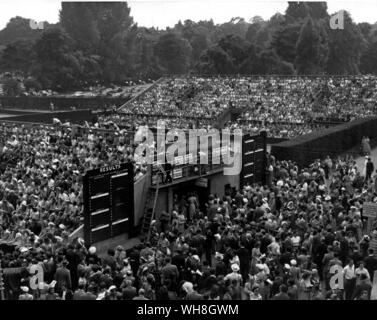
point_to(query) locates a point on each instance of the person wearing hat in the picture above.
(112, 293)
(92, 256)
(25, 295)
(220, 267)
(234, 275)
(294, 271)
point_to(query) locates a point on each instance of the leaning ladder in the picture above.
(150, 210)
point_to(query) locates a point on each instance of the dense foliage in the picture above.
(100, 42)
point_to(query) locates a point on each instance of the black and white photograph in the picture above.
(205, 153)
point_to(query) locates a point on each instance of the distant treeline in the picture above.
(99, 42)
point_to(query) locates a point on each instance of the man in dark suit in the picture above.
(169, 271)
(371, 263)
(282, 295)
(109, 260)
(369, 169)
(80, 292)
(179, 260)
(129, 292)
(63, 277)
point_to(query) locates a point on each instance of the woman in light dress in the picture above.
(365, 144)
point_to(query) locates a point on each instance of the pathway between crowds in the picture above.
(360, 161)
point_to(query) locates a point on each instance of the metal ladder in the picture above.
(149, 212)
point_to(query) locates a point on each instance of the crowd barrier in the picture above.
(332, 141)
(61, 103)
(332, 122)
(78, 116)
(158, 116)
(263, 76)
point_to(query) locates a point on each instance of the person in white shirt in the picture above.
(349, 279)
(274, 247)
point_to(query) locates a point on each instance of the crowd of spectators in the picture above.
(286, 106)
(279, 241)
(41, 173)
(198, 97)
(276, 241)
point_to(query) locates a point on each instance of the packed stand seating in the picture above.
(301, 100)
(191, 97)
(277, 241)
(298, 105)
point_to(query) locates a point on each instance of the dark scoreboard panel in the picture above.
(108, 202)
(253, 159)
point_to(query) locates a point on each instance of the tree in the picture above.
(18, 28)
(173, 53)
(254, 27)
(311, 50)
(146, 64)
(237, 26)
(346, 46)
(11, 87)
(32, 84)
(215, 61)
(57, 65)
(270, 63)
(199, 43)
(227, 57)
(18, 56)
(366, 30)
(285, 39)
(250, 63)
(79, 21)
(317, 10)
(368, 61)
(297, 10)
(264, 35)
(105, 30)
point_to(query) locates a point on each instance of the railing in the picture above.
(266, 76)
(102, 131)
(60, 103)
(182, 172)
(314, 122)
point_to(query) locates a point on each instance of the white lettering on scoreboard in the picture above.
(109, 168)
(370, 209)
